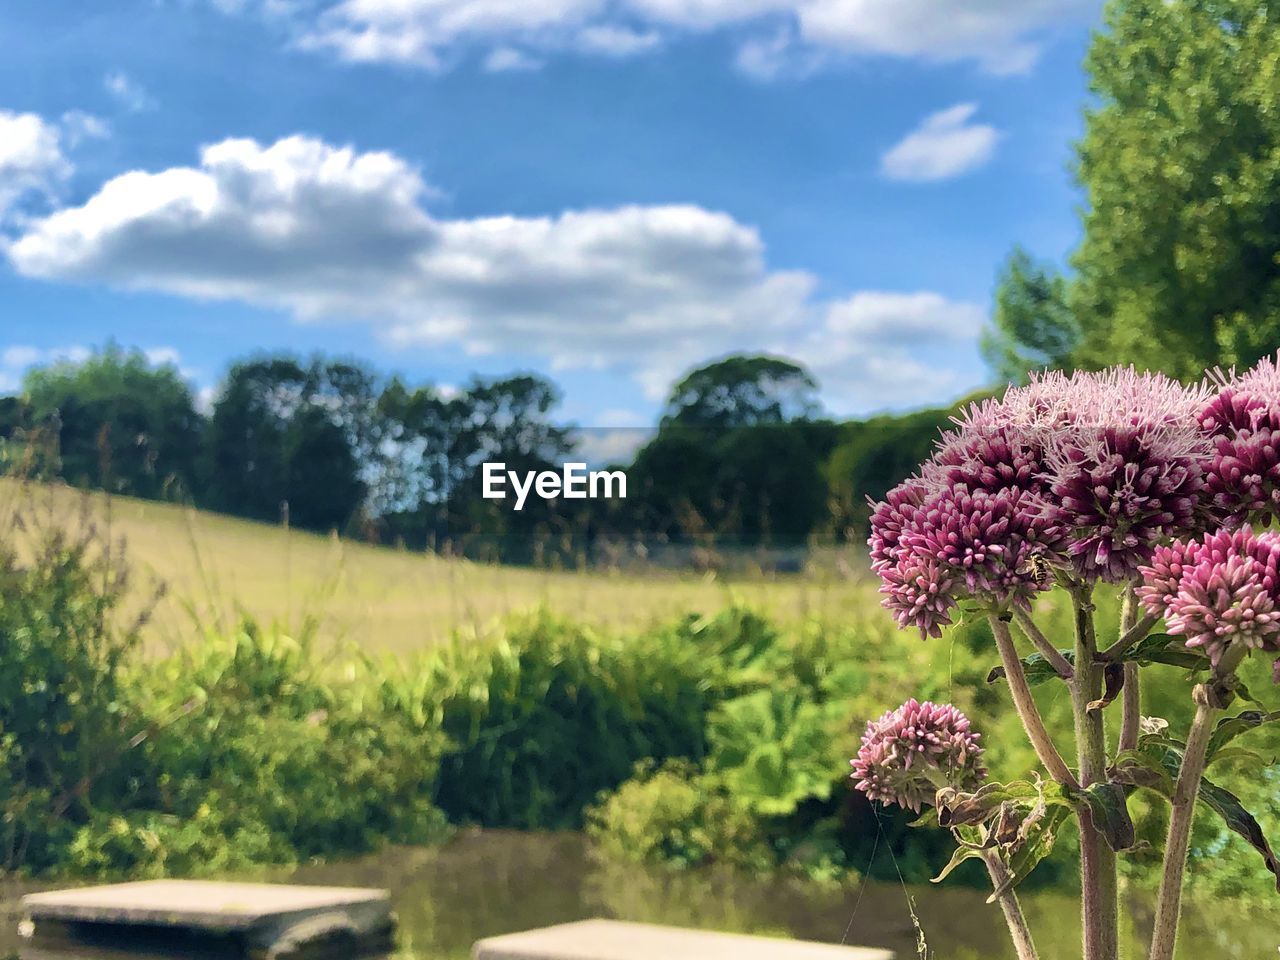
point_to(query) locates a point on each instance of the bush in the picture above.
(64, 720)
(252, 758)
(551, 713)
(677, 816)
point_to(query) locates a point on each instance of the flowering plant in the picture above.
(1113, 480)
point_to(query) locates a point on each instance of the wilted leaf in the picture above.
(1140, 768)
(1038, 845)
(1113, 678)
(957, 809)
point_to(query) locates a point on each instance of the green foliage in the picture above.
(233, 751)
(1033, 327)
(875, 455)
(742, 391)
(248, 741)
(752, 484)
(282, 432)
(119, 423)
(676, 816)
(1180, 161)
(551, 713)
(64, 716)
(773, 750)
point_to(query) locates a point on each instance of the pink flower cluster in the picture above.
(912, 752)
(1090, 472)
(1221, 592)
(1244, 422)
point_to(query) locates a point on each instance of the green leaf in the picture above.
(1110, 813)
(927, 819)
(1227, 754)
(1167, 649)
(1161, 761)
(1036, 667)
(960, 856)
(1229, 728)
(1227, 805)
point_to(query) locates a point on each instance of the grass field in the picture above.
(386, 599)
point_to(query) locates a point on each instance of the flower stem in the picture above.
(1131, 705)
(1019, 932)
(1138, 631)
(1098, 881)
(1210, 701)
(1026, 706)
(1169, 906)
(1047, 650)
(1130, 709)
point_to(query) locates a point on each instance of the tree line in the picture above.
(741, 453)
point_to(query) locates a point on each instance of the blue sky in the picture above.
(605, 191)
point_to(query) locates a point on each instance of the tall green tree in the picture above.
(1179, 267)
(120, 423)
(742, 391)
(1033, 327)
(287, 433)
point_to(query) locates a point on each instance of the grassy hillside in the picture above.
(380, 597)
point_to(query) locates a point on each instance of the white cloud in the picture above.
(945, 145)
(507, 59)
(876, 316)
(15, 360)
(600, 446)
(615, 417)
(31, 158)
(1002, 36)
(78, 126)
(128, 92)
(327, 233)
(614, 41)
(162, 356)
(879, 349)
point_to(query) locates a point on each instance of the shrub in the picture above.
(675, 815)
(64, 720)
(252, 757)
(551, 713)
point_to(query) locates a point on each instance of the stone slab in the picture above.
(256, 920)
(619, 940)
(200, 904)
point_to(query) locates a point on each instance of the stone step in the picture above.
(257, 921)
(618, 940)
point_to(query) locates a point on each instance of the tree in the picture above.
(430, 480)
(742, 391)
(1033, 327)
(120, 423)
(245, 467)
(284, 433)
(1179, 266)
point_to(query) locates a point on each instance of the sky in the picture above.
(607, 192)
